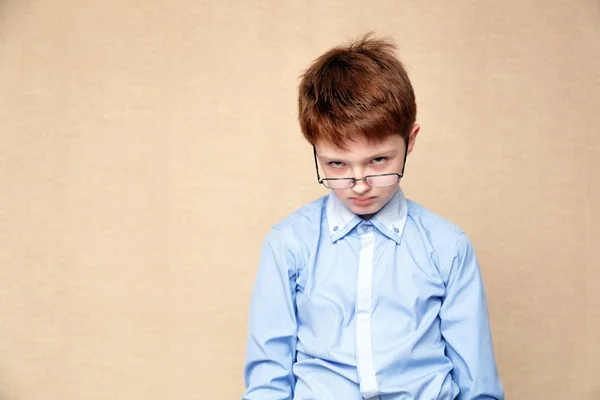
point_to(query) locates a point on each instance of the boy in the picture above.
(364, 294)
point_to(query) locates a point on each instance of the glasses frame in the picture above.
(354, 180)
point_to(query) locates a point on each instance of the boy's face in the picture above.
(363, 158)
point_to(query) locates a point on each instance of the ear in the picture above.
(412, 138)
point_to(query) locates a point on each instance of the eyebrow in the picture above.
(387, 153)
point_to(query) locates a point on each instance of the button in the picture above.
(396, 230)
(335, 228)
(366, 228)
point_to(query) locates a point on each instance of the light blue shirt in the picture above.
(392, 308)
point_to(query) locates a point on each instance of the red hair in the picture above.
(358, 90)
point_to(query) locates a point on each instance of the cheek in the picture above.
(343, 194)
(388, 191)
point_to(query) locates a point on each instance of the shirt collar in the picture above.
(390, 220)
(340, 219)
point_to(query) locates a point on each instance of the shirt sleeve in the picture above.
(466, 329)
(272, 330)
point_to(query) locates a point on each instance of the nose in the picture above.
(361, 187)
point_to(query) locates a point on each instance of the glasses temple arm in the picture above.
(405, 155)
(316, 165)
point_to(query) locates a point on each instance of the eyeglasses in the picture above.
(373, 180)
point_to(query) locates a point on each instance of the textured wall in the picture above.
(146, 147)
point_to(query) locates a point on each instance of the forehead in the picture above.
(359, 148)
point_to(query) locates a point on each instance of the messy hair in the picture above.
(360, 90)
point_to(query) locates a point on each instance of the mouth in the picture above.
(362, 201)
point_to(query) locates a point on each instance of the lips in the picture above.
(362, 201)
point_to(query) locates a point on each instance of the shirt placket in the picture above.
(364, 349)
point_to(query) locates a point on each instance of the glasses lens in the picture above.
(338, 183)
(383, 180)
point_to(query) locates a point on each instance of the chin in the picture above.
(370, 210)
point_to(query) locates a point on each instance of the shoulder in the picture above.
(302, 224)
(292, 238)
(444, 240)
(306, 216)
(428, 220)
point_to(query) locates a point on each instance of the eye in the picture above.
(379, 160)
(336, 164)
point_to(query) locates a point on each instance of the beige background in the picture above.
(146, 147)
